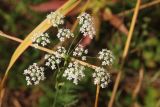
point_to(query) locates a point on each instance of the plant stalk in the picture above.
(97, 96)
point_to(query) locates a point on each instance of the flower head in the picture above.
(55, 18)
(74, 72)
(106, 56)
(34, 74)
(87, 25)
(79, 51)
(54, 59)
(101, 77)
(40, 38)
(64, 33)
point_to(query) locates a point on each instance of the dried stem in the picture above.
(97, 96)
(146, 5)
(125, 52)
(46, 50)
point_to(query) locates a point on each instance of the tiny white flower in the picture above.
(34, 74)
(83, 58)
(86, 51)
(55, 18)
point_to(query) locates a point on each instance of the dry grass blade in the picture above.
(125, 52)
(42, 27)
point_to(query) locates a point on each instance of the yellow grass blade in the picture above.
(42, 27)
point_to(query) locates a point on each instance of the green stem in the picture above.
(55, 98)
(57, 88)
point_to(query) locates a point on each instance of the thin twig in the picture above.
(143, 6)
(97, 96)
(46, 50)
(125, 52)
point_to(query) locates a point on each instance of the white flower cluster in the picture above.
(101, 77)
(74, 72)
(60, 51)
(64, 33)
(34, 74)
(52, 60)
(106, 56)
(87, 25)
(40, 38)
(55, 18)
(79, 51)
(55, 59)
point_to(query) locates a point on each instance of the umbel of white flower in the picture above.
(40, 39)
(79, 51)
(86, 25)
(106, 56)
(34, 74)
(64, 33)
(101, 77)
(74, 72)
(55, 18)
(54, 59)
(60, 51)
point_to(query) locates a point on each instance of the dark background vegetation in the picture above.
(20, 17)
